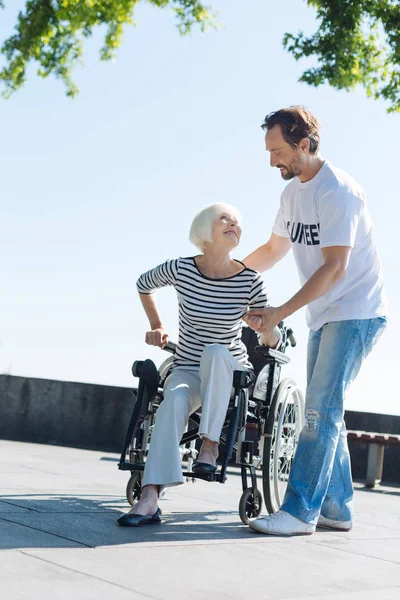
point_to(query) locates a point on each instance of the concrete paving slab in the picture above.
(385, 549)
(7, 507)
(47, 580)
(387, 499)
(381, 520)
(101, 529)
(368, 530)
(60, 508)
(59, 503)
(267, 569)
(14, 535)
(386, 594)
(177, 529)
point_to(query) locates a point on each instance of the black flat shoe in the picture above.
(138, 520)
(200, 467)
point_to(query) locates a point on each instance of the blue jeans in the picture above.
(320, 479)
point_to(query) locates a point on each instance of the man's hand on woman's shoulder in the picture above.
(157, 337)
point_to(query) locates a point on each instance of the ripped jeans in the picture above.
(320, 479)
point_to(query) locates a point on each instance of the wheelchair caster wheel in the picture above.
(250, 505)
(134, 488)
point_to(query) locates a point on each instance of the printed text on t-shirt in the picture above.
(304, 233)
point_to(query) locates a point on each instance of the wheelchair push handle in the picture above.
(288, 332)
(170, 347)
(291, 338)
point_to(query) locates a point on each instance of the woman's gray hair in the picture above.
(201, 228)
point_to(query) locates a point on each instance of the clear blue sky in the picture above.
(96, 190)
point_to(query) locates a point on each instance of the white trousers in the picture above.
(185, 391)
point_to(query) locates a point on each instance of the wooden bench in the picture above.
(377, 443)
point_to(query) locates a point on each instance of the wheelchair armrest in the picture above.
(272, 355)
(146, 371)
(242, 379)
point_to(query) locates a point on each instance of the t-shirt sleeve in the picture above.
(339, 214)
(161, 276)
(280, 225)
(258, 295)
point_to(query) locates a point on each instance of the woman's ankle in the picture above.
(150, 493)
(210, 446)
(208, 452)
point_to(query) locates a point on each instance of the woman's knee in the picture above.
(175, 402)
(214, 352)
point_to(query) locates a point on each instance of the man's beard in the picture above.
(290, 172)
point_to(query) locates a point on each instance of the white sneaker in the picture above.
(281, 523)
(335, 525)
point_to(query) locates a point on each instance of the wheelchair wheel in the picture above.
(250, 505)
(134, 488)
(282, 430)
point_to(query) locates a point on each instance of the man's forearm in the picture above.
(267, 255)
(261, 259)
(318, 285)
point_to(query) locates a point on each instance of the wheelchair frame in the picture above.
(267, 414)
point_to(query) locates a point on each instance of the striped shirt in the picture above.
(210, 310)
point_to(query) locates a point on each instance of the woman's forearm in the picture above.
(150, 308)
(271, 338)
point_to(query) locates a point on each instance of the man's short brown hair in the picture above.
(296, 123)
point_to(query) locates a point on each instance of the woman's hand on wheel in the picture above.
(157, 337)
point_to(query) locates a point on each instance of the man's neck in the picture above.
(311, 169)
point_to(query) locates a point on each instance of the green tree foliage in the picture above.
(357, 42)
(51, 32)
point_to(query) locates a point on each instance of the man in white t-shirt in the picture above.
(324, 218)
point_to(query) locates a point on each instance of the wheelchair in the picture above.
(264, 419)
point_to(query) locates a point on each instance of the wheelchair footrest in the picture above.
(204, 476)
(126, 466)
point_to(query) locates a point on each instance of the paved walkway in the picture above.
(59, 539)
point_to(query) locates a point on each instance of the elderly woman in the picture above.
(214, 293)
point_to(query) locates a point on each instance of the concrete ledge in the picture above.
(95, 417)
(80, 415)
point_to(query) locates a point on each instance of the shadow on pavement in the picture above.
(377, 490)
(61, 521)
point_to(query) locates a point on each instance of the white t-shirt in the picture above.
(330, 210)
